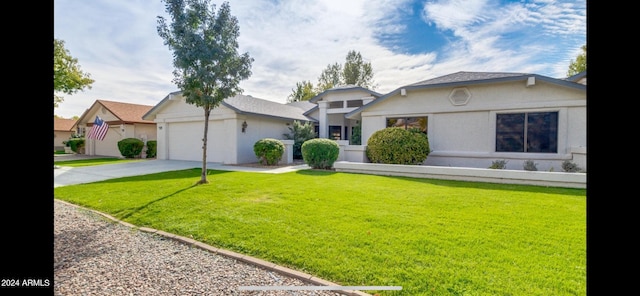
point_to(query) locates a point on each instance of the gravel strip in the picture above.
(96, 256)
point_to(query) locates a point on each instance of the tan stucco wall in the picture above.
(117, 132)
(59, 137)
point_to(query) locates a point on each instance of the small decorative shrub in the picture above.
(268, 151)
(395, 145)
(570, 167)
(130, 147)
(320, 153)
(529, 165)
(356, 137)
(152, 148)
(499, 164)
(300, 132)
(75, 144)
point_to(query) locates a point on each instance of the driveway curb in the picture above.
(244, 258)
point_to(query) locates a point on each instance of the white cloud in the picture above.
(294, 40)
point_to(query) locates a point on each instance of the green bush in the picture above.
(529, 165)
(268, 151)
(395, 145)
(75, 144)
(152, 148)
(300, 132)
(500, 164)
(320, 153)
(570, 167)
(130, 147)
(356, 137)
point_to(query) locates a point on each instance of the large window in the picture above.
(409, 123)
(335, 132)
(527, 132)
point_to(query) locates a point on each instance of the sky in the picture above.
(116, 42)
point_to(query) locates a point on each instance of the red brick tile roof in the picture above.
(131, 113)
(63, 124)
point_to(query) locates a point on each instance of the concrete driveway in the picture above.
(63, 176)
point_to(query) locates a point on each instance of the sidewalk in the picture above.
(63, 176)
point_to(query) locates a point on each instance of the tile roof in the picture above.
(579, 78)
(63, 124)
(343, 88)
(251, 105)
(466, 77)
(304, 105)
(127, 112)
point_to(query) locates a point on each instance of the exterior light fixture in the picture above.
(244, 126)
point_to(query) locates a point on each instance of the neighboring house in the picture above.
(62, 131)
(475, 118)
(471, 119)
(234, 127)
(124, 120)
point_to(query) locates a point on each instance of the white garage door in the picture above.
(185, 141)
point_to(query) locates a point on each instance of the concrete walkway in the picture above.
(79, 175)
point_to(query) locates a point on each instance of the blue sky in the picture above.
(406, 41)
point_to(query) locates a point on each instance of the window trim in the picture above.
(561, 140)
(386, 121)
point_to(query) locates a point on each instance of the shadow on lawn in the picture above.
(170, 175)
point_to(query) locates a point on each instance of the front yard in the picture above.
(432, 237)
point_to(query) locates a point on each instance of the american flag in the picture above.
(98, 130)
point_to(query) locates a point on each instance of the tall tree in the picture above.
(579, 64)
(331, 76)
(302, 92)
(356, 71)
(208, 67)
(67, 76)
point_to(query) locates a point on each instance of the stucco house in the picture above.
(474, 118)
(471, 119)
(234, 127)
(124, 120)
(63, 129)
(332, 105)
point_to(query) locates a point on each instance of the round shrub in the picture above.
(152, 148)
(130, 147)
(75, 144)
(268, 151)
(320, 153)
(395, 145)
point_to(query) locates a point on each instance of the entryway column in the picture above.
(323, 125)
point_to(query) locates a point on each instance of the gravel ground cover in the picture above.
(96, 256)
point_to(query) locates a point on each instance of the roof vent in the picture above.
(459, 96)
(531, 81)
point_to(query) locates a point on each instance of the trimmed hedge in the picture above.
(320, 153)
(75, 144)
(130, 147)
(268, 151)
(395, 145)
(152, 148)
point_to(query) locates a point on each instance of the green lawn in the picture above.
(432, 237)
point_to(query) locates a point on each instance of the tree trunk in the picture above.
(203, 176)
